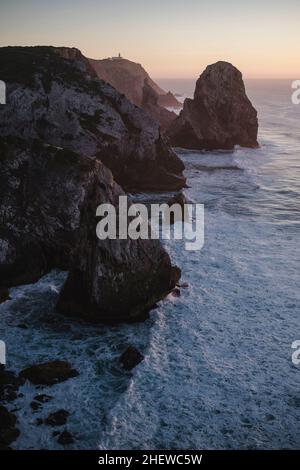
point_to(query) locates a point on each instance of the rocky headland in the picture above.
(60, 128)
(134, 82)
(129, 77)
(55, 96)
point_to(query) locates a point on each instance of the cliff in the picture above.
(59, 123)
(55, 95)
(129, 77)
(48, 201)
(220, 116)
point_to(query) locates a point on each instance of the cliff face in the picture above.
(220, 116)
(150, 104)
(59, 119)
(128, 78)
(48, 201)
(55, 96)
(114, 280)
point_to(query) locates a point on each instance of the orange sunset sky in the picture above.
(171, 38)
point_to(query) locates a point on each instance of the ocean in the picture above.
(218, 371)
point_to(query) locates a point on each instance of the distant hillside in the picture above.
(129, 77)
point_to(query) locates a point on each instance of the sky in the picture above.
(171, 38)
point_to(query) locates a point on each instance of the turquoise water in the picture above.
(217, 372)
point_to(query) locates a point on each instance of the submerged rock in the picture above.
(219, 116)
(181, 200)
(58, 418)
(176, 292)
(9, 385)
(8, 431)
(49, 373)
(65, 438)
(42, 398)
(35, 406)
(131, 357)
(55, 96)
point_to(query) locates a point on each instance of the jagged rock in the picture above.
(113, 280)
(150, 103)
(49, 373)
(9, 385)
(176, 292)
(45, 194)
(55, 96)
(220, 116)
(183, 285)
(4, 294)
(181, 200)
(49, 193)
(35, 406)
(8, 432)
(58, 418)
(65, 438)
(128, 78)
(42, 189)
(43, 398)
(169, 100)
(131, 357)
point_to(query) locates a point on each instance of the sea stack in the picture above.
(219, 116)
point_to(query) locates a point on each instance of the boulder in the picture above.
(8, 431)
(181, 200)
(65, 438)
(58, 418)
(219, 116)
(131, 357)
(9, 385)
(49, 373)
(42, 398)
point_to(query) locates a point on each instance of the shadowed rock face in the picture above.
(150, 103)
(42, 189)
(114, 280)
(220, 116)
(48, 201)
(54, 95)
